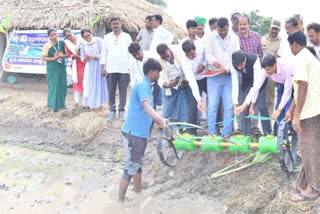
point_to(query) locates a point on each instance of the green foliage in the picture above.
(90, 24)
(259, 24)
(94, 22)
(5, 23)
(161, 3)
(262, 158)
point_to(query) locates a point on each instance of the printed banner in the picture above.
(24, 51)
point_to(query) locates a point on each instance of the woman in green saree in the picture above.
(54, 54)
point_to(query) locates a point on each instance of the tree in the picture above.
(161, 3)
(5, 25)
(259, 24)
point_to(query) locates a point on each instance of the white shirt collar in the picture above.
(114, 35)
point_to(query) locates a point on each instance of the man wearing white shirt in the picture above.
(300, 18)
(193, 48)
(213, 24)
(200, 59)
(191, 62)
(139, 57)
(235, 21)
(284, 51)
(178, 80)
(115, 62)
(314, 37)
(160, 35)
(136, 62)
(218, 50)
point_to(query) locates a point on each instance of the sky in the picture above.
(182, 10)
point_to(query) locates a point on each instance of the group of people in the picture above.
(239, 71)
(98, 67)
(86, 76)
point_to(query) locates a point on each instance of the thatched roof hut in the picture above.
(76, 14)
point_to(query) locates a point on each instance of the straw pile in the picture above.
(14, 110)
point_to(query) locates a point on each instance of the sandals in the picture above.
(303, 197)
(297, 189)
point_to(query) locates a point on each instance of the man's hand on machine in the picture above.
(162, 123)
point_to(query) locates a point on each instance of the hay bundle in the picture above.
(12, 111)
(80, 123)
(81, 126)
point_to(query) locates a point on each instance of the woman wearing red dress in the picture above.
(72, 46)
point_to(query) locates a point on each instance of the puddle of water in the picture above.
(42, 182)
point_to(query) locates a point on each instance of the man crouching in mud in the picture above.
(135, 130)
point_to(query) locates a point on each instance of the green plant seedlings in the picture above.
(118, 155)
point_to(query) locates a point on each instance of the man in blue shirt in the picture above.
(135, 130)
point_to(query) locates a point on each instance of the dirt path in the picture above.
(71, 162)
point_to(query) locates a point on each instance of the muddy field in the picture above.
(71, 162)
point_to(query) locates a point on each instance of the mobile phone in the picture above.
(177, 78)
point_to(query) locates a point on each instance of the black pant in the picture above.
(193, 110)
(202, 85)
(155, 93)
(122, 80)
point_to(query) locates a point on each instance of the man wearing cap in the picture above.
(201, 23)
(271, 42)
(270, 45)
(248, 65)
(235, 21)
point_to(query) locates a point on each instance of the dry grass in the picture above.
(82, 123)
(81, 126)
